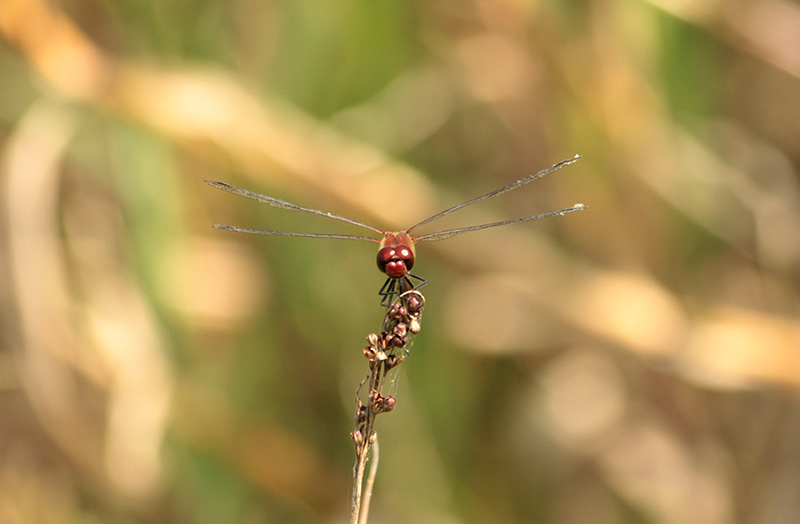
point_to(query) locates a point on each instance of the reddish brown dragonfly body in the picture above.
(396, 255)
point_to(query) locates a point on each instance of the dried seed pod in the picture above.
(393, 360)
(395, 311)
(381, 404)
(389, 403)
(414, 303)
(399, 330)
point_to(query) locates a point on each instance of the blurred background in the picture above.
(637, 362)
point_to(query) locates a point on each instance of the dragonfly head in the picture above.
(396, 256)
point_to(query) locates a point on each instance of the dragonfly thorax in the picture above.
(396, 256)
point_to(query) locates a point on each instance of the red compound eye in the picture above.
(407, 256)
(395, 262)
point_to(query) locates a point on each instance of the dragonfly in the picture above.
(397, 253)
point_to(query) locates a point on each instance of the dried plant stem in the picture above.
(384, 352)
(373, 470)
(359, 475)
(358, 482)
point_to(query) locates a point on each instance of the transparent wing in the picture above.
(506, 189)
(274, 202)
(447, 233)
(286, 234)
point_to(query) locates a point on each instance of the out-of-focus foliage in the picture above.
(635, 362)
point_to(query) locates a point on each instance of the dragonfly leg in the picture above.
(397, 286)
(387, 291)
(421, 280)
